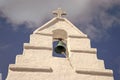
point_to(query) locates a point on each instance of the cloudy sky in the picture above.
(99, 19)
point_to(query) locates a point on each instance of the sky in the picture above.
(99, 19)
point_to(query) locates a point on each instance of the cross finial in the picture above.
(59, 12)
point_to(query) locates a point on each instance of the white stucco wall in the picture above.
(37, 62)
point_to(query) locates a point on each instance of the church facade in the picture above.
(38, 61)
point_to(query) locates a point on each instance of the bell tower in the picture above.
(38, 62)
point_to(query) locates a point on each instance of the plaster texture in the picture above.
(38, 63)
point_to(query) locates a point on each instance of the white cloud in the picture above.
(4, 46)
(34, 12)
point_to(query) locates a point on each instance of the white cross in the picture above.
(59, 12)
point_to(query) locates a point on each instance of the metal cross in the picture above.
(59, 12)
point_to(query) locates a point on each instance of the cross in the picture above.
(59, 12)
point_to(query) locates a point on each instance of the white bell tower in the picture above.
(38, 63)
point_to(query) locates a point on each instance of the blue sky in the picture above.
(99, 19)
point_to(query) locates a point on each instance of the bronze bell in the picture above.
(61, 47)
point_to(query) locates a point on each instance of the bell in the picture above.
(60, 48)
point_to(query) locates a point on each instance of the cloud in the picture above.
(93, 15)
(4, 46)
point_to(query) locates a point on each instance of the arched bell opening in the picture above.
(60, 43)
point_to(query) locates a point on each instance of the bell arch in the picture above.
(59, 35)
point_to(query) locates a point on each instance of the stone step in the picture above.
(26, 68)
(100, 72)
